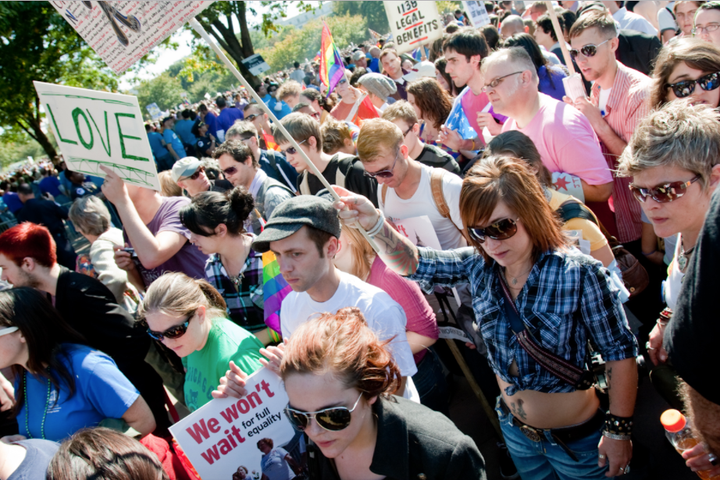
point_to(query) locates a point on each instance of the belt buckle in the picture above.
(531, 433)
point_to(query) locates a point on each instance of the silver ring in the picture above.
(626, 470)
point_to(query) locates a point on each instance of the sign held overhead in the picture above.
(99, 128)
(256, 64)
(413, 23)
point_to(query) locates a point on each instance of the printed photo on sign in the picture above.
(246, 438)
(95, 129)
(478, 13)
(413, 24)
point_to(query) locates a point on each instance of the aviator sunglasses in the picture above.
(292, 150)
(173, 332)
(332, 419)
(387, 173)
(588, 50)
(685, 88)
(664, 193)
(500, 230)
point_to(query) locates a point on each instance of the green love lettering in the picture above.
(123, 137)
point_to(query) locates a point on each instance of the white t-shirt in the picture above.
(665, 18)
(384, 315)
(633, 21)
(422, 203)
(604, 96)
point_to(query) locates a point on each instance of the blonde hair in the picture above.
(377, 134)
(177, 295)
(361, 251)
(168, 187)
(334, 133)
(401, 110)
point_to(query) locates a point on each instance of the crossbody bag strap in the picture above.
(559, 367)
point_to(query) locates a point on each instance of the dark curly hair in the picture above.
(432, 100)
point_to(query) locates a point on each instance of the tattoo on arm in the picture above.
(518, 410)
(397, 251)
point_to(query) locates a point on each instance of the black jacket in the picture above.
(638, 50)
(414, 442)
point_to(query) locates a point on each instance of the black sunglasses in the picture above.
(500, 230)
(195, 175)
(664, 193)
(230, 171)
(685, 88)
(292, 150)
(588, 50)
(386, 173)
(173, 332)
(252, 117)
(332, 419)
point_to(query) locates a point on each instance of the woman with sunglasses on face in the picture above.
(537, 303)
(674, 161)
(217, 227)
(688, 68)
(351, 108)
(61, 385)
(188, 317)
(338, 377)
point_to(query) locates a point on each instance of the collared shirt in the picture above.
(243, 295)
(567, 299)
(627, 105)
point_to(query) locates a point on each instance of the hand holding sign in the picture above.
(232, 384)
(114, 188)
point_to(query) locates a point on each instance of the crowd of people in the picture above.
(577, 235)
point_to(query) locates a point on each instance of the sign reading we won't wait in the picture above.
(222, 436)
(96, 129)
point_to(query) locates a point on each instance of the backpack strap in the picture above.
(570, 210)
(304, 185)
(383, 192)
(436, 186)
(339, 174)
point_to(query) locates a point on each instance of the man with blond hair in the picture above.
(289, 92)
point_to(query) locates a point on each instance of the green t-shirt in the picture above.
(203, 369)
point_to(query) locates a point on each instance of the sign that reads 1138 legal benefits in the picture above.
(413, 24)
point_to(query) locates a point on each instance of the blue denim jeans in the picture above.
(431, 383)
(546, 460)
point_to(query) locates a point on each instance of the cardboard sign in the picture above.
(477, 13)
(413, 23)
(419, 230)
(154, 111)
(123, 32)
(256, 64)
(222, 435)
(98, 128)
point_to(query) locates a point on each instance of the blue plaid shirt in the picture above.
(567, 297)
(244, 298)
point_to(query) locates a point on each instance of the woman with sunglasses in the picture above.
(189, 317)
(674, 161)
(352, 108)
(688, 68)
(61, 385)
(537, 304)
(338, 377)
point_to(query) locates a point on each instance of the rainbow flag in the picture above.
(331, 64)
(275, 289)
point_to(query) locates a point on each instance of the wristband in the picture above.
(378, 226)
(613, 436)
(648, 254)
(618, 425)
(274, 336)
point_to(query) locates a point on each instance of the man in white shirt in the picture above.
(630, 20)
(303, 234)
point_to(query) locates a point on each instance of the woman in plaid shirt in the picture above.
(552, 428)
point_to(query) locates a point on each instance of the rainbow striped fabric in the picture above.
(275, 289)
(331, 64)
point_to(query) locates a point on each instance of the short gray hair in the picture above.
(518, 56)
(679, 134)
(240, 128)
(90, 215)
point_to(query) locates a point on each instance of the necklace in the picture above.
(27, 409)
(684, 258)
(514, 280)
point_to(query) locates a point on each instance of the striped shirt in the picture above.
(627, 105)
(566, 300)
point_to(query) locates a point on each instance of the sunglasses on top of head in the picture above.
(588, 50)
(173, 332)
(664, 193)
(332, 419)
(685, 88)
(500, 230)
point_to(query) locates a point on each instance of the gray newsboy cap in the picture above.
(291, 215)
(378, 84)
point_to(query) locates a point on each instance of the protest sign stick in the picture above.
(560, 37)
(221, 55)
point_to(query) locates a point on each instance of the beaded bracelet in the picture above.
(274, 336)
(615, 425)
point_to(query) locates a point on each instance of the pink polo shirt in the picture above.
(566, 141)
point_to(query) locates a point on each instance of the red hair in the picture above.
(344, 345)
(28, 240)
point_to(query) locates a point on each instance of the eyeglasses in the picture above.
(663, 193)
(252, 117)
(500, 230)
(683, 89)
(195, 175)
(8, 330)
(711, 27)
(493, 85)
(387, 173)
(332, 419)
(292, 150)
(173, 332)
(588, 50)
(408, 131)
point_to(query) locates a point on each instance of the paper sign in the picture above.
(256, 64)
(478, 13)
(154, 111)
(413, 23)
(223, 434)
(98, 128)
(419, 230)
(123, 32)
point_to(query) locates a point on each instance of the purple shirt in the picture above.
(189, 259)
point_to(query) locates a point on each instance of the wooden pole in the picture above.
(560, 37)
